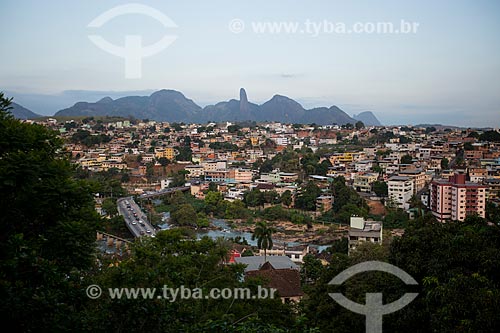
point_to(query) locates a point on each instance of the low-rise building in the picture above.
(493, 188)
(243, 175)
(195, 171)
(363, 181)
(418, 176)
(324, 203)
(363, 166)
(286, 281)
(476, 175)
(363, 231)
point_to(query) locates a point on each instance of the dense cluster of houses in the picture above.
(449, 171)
(410, 161)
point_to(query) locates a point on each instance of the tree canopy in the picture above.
(47, 227)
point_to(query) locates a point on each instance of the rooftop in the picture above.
(286, 280)
(255, 262)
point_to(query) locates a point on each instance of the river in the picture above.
(225, 231)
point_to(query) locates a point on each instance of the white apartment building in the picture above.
(363, 166)
(400, 191)
(281, 141)
(419, 177)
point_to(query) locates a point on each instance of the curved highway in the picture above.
(135, 219)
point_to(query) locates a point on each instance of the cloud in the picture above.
(289, 75)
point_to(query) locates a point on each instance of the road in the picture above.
(163, 192)
(135, 219)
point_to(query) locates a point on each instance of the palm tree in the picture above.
(263, 233)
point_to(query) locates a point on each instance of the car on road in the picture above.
(148, 231)
(142, 232)
(134, 223)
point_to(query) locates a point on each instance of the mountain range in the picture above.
(173, 106)
(368, 118)
(20, 112)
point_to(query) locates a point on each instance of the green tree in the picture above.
(445, 163)
(339, 246)
(493, 212)
(491, 136)
(430, 129)
(236, 210)
(233, 128)
(406, 159)
(395, 218)
(212, 187)
(263, 233)
(359, 125)
(47, 229)
(184, 153)
(125, 177)
(345, 195)
(306, 198)
(266, 166)
(468, 146)
(109, 205)
(214, 202)
(473, 134)
(458, 273)
(380, 188)
(163, 161)
(377, 169)
(348, 210)
(311, 269)
(176, 126)
(174, 258)
(253, 198)
(184, 215)
(271, 197)
(286, 198)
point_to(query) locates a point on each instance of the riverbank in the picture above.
(288, 232)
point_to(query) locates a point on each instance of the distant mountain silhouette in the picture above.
(163, 105)
(20, 112)
(368, 118)
(331, 115)
(281, 108)
(173, 106)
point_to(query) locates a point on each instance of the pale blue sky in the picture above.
(448, 72)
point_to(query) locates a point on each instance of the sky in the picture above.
(447, 71)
